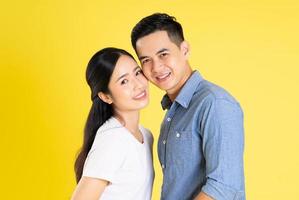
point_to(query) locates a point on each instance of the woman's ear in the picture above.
(105, 97)
(185, 48)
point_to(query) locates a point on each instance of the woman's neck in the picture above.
(129, 120)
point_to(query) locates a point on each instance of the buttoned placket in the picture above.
(166, 127)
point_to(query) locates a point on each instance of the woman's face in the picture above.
(128, 86)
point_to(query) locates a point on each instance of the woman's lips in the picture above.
(140, 96)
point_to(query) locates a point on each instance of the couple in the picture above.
(200, 145)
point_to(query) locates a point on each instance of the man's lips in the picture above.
(162, 77)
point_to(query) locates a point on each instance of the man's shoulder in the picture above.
(208, 91)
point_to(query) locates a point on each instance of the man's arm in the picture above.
(223, 144)
(203, 196)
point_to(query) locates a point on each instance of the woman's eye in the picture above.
(139, 72)
(123, 81)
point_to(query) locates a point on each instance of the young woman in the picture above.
(115, 161)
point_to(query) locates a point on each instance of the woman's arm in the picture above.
(89, 189)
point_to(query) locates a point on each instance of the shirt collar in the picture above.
(185, 95)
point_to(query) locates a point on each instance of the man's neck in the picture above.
(174, 92)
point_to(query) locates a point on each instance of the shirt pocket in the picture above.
(180, 149)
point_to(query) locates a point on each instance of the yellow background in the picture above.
(251, 48)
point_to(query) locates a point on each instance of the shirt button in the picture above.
(168, 119)
(163, 166)
(178, 134)
(164, 141)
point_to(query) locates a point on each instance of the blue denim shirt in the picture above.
(201, 143)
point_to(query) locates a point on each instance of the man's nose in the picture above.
(157, 64)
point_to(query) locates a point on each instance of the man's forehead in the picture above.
(153, 45)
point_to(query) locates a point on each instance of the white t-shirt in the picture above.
(118, 157)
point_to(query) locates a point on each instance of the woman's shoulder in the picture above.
(110, 125)
(111, 131)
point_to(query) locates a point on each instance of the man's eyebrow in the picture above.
(160, 51)
(142, 57)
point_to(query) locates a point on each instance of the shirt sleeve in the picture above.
(223, 146)
(105, 157)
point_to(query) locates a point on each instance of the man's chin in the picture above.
(166, 89)
(164, 86)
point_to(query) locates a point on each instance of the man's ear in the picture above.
(185, 48)
(105, 97)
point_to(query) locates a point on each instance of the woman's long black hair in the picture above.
(98, 73)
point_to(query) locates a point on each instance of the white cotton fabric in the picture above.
(118, 157)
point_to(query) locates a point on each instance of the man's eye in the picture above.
(124, 82)
(145, 61)
(163, 54)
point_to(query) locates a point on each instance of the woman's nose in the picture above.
(138, 83)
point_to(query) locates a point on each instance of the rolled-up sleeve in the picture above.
(223, 147)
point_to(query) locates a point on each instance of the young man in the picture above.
(201, 141)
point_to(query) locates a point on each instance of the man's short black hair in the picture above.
(158, 22)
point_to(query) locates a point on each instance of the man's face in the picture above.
(163, 62)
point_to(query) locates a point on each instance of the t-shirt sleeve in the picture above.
(148, 135)
(105, 157)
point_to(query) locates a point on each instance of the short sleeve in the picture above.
(105, 157)
(148, 134)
